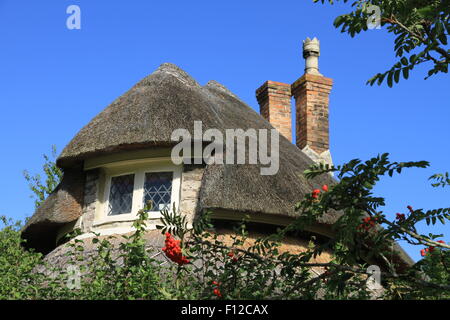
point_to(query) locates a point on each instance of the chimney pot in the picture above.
(311, 53)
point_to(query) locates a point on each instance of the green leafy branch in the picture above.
(53, 175)
(419, 25)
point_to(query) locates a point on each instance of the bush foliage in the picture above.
(201, 265)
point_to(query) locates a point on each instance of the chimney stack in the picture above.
(274, 100)
(311, 93)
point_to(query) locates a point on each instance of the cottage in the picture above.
(122, 158)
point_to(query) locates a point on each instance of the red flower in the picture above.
(441, 241)
(215, 283)
(315, 193)
(173, 250)
(325, 188)
(422, 253)
(410, 209)
(217, 292)
(400, 216)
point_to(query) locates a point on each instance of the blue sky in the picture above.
(54, 80)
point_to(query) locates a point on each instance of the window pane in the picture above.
(121, 195)
(158, 190)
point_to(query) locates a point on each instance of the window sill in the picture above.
(124, 218)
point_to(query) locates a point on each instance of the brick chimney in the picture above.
(274, 100)
(311, 92)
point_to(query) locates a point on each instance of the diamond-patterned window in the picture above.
(121, 195)
(158, 190)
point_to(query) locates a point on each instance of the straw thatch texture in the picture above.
(146, 116)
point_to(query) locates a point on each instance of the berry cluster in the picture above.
(367, 223)
(316, 192)
(424, 252)
(216, 290)
(401, 216)
(173, 250)
(232, 256)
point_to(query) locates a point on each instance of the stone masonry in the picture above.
(191, 183)
(90, 199)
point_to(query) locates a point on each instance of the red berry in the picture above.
(217, 292)
(315, 193)
(173, 250)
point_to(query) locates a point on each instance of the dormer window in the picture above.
(129, 186)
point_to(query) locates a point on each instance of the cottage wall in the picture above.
(91, 195)
(191, 182)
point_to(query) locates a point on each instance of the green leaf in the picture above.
(390, 78)
(405, 73)
(397, 75)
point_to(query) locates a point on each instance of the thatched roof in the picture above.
(146, 116)
(170, 99)
(61, 208)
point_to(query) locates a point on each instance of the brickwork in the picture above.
(274, 100)
(311, 93)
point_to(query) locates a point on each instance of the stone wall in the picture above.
(91, 194)
(191, 181)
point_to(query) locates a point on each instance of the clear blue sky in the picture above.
(54, 80)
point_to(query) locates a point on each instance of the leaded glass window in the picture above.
(121, 195)
(158, 190)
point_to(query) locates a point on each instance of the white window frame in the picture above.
(139, 170)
